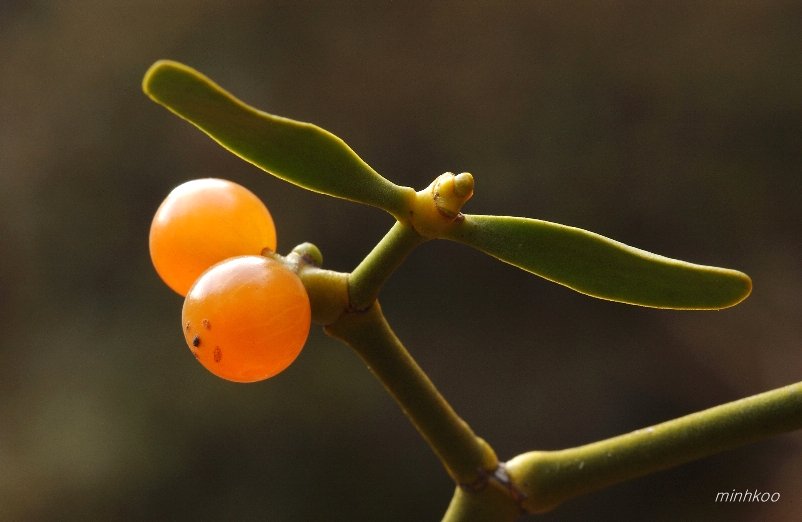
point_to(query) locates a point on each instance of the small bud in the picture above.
(309, 253)
(463, 185)
(450, 192)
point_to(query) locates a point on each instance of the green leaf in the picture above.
(600, 267)
(298, 152)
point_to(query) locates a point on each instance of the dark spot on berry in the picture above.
(218, 354)
(206, 324)
(186, 326)
(196, 341)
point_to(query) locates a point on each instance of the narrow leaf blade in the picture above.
(601, 267)
(298, 152)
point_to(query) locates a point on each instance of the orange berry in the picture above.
(203, 222)
(246, 318)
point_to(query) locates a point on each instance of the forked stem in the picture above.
(492, 504)
(467, 458)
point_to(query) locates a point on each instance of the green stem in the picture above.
(367, 279)
(466, 457)
(492, 504)
(547, 478)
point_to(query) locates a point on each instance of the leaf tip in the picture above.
(740, 286)
(746, 284)
(161, 74)
(152, 74)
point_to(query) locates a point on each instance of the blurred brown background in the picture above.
(672, 126)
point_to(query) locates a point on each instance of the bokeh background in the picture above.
(672, 126)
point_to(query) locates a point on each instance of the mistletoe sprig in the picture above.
(346, 304)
